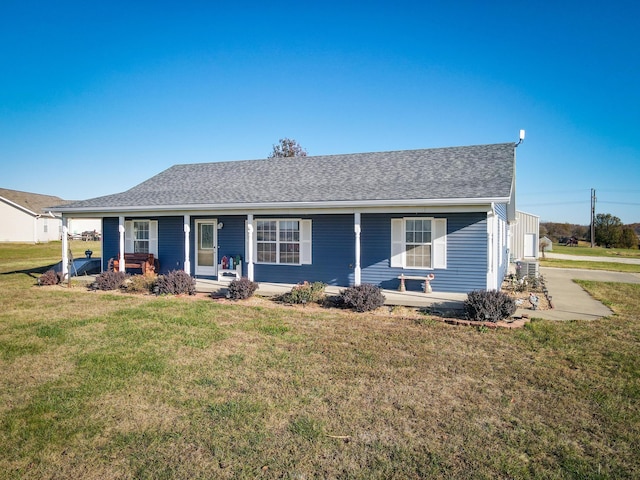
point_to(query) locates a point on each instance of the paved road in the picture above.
(585, 258)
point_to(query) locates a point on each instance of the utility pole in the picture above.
(593, 217)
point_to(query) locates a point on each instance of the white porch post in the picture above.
(121, 265)
(356, 228)
(65, 249)
(187, 242)
(250, 247)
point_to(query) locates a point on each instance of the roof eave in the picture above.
(20, 207)
(288, 205)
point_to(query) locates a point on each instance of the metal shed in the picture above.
(524, 237)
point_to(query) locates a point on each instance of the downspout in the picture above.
(35, 228)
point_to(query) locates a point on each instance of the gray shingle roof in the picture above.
(472, 172)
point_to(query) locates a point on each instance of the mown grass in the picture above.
(584, 249)
(99, 385)
(590, 265)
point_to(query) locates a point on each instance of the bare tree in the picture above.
(287, 147)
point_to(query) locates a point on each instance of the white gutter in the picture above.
(293, 205)
(24, 209)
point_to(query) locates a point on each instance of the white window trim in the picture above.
(153, 235)
(304, 241)
(398, 258)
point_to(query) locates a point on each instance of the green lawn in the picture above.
(586, 250)
(589, 265)
(107, 385)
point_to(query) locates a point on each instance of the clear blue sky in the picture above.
(96, 97)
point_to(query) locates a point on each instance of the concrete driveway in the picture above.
(570, 301)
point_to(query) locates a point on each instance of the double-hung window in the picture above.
(141, 236)
(283, 241)
(419, 243)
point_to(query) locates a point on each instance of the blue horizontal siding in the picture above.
(231, 238)
(466, 254)
(110, 240)
(170, 242)
(333, 254)
(501, 243)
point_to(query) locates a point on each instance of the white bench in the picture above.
(426, 278)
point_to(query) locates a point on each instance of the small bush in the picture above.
(241, 288)
(50, 277)
(140, 284)
(305, 293)
(489, 305)
(362, 298)
(110, 280)
(176, 282)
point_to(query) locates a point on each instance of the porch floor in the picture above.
(443, 302)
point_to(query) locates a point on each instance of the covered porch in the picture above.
(441, 301)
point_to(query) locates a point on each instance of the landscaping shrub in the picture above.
(362, 298)
(241, 288)
(176, 282)
(305, 293)
(50, 277)
(489, 305)
(140, 284)
(110, 280)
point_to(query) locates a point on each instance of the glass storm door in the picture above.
(206, 247)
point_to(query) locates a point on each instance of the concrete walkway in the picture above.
(570, 301)
(442, 302)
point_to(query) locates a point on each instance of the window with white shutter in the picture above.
(418, 243)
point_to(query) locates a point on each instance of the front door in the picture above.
(206, 247)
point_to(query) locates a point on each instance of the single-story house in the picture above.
(340, 219)
(525, 232)
(26, 219)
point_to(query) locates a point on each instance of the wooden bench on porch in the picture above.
(426, 278)
(144, 261)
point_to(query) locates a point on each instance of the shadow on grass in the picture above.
(32, 272)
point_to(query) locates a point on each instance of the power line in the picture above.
(620, 203)
(552, 203)
(621, 191)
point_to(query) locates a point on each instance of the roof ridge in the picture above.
(330, 155)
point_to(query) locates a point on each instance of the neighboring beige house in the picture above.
(525, 232)
(26, 218)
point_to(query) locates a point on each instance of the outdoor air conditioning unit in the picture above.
(526, 269)
(530, 269)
